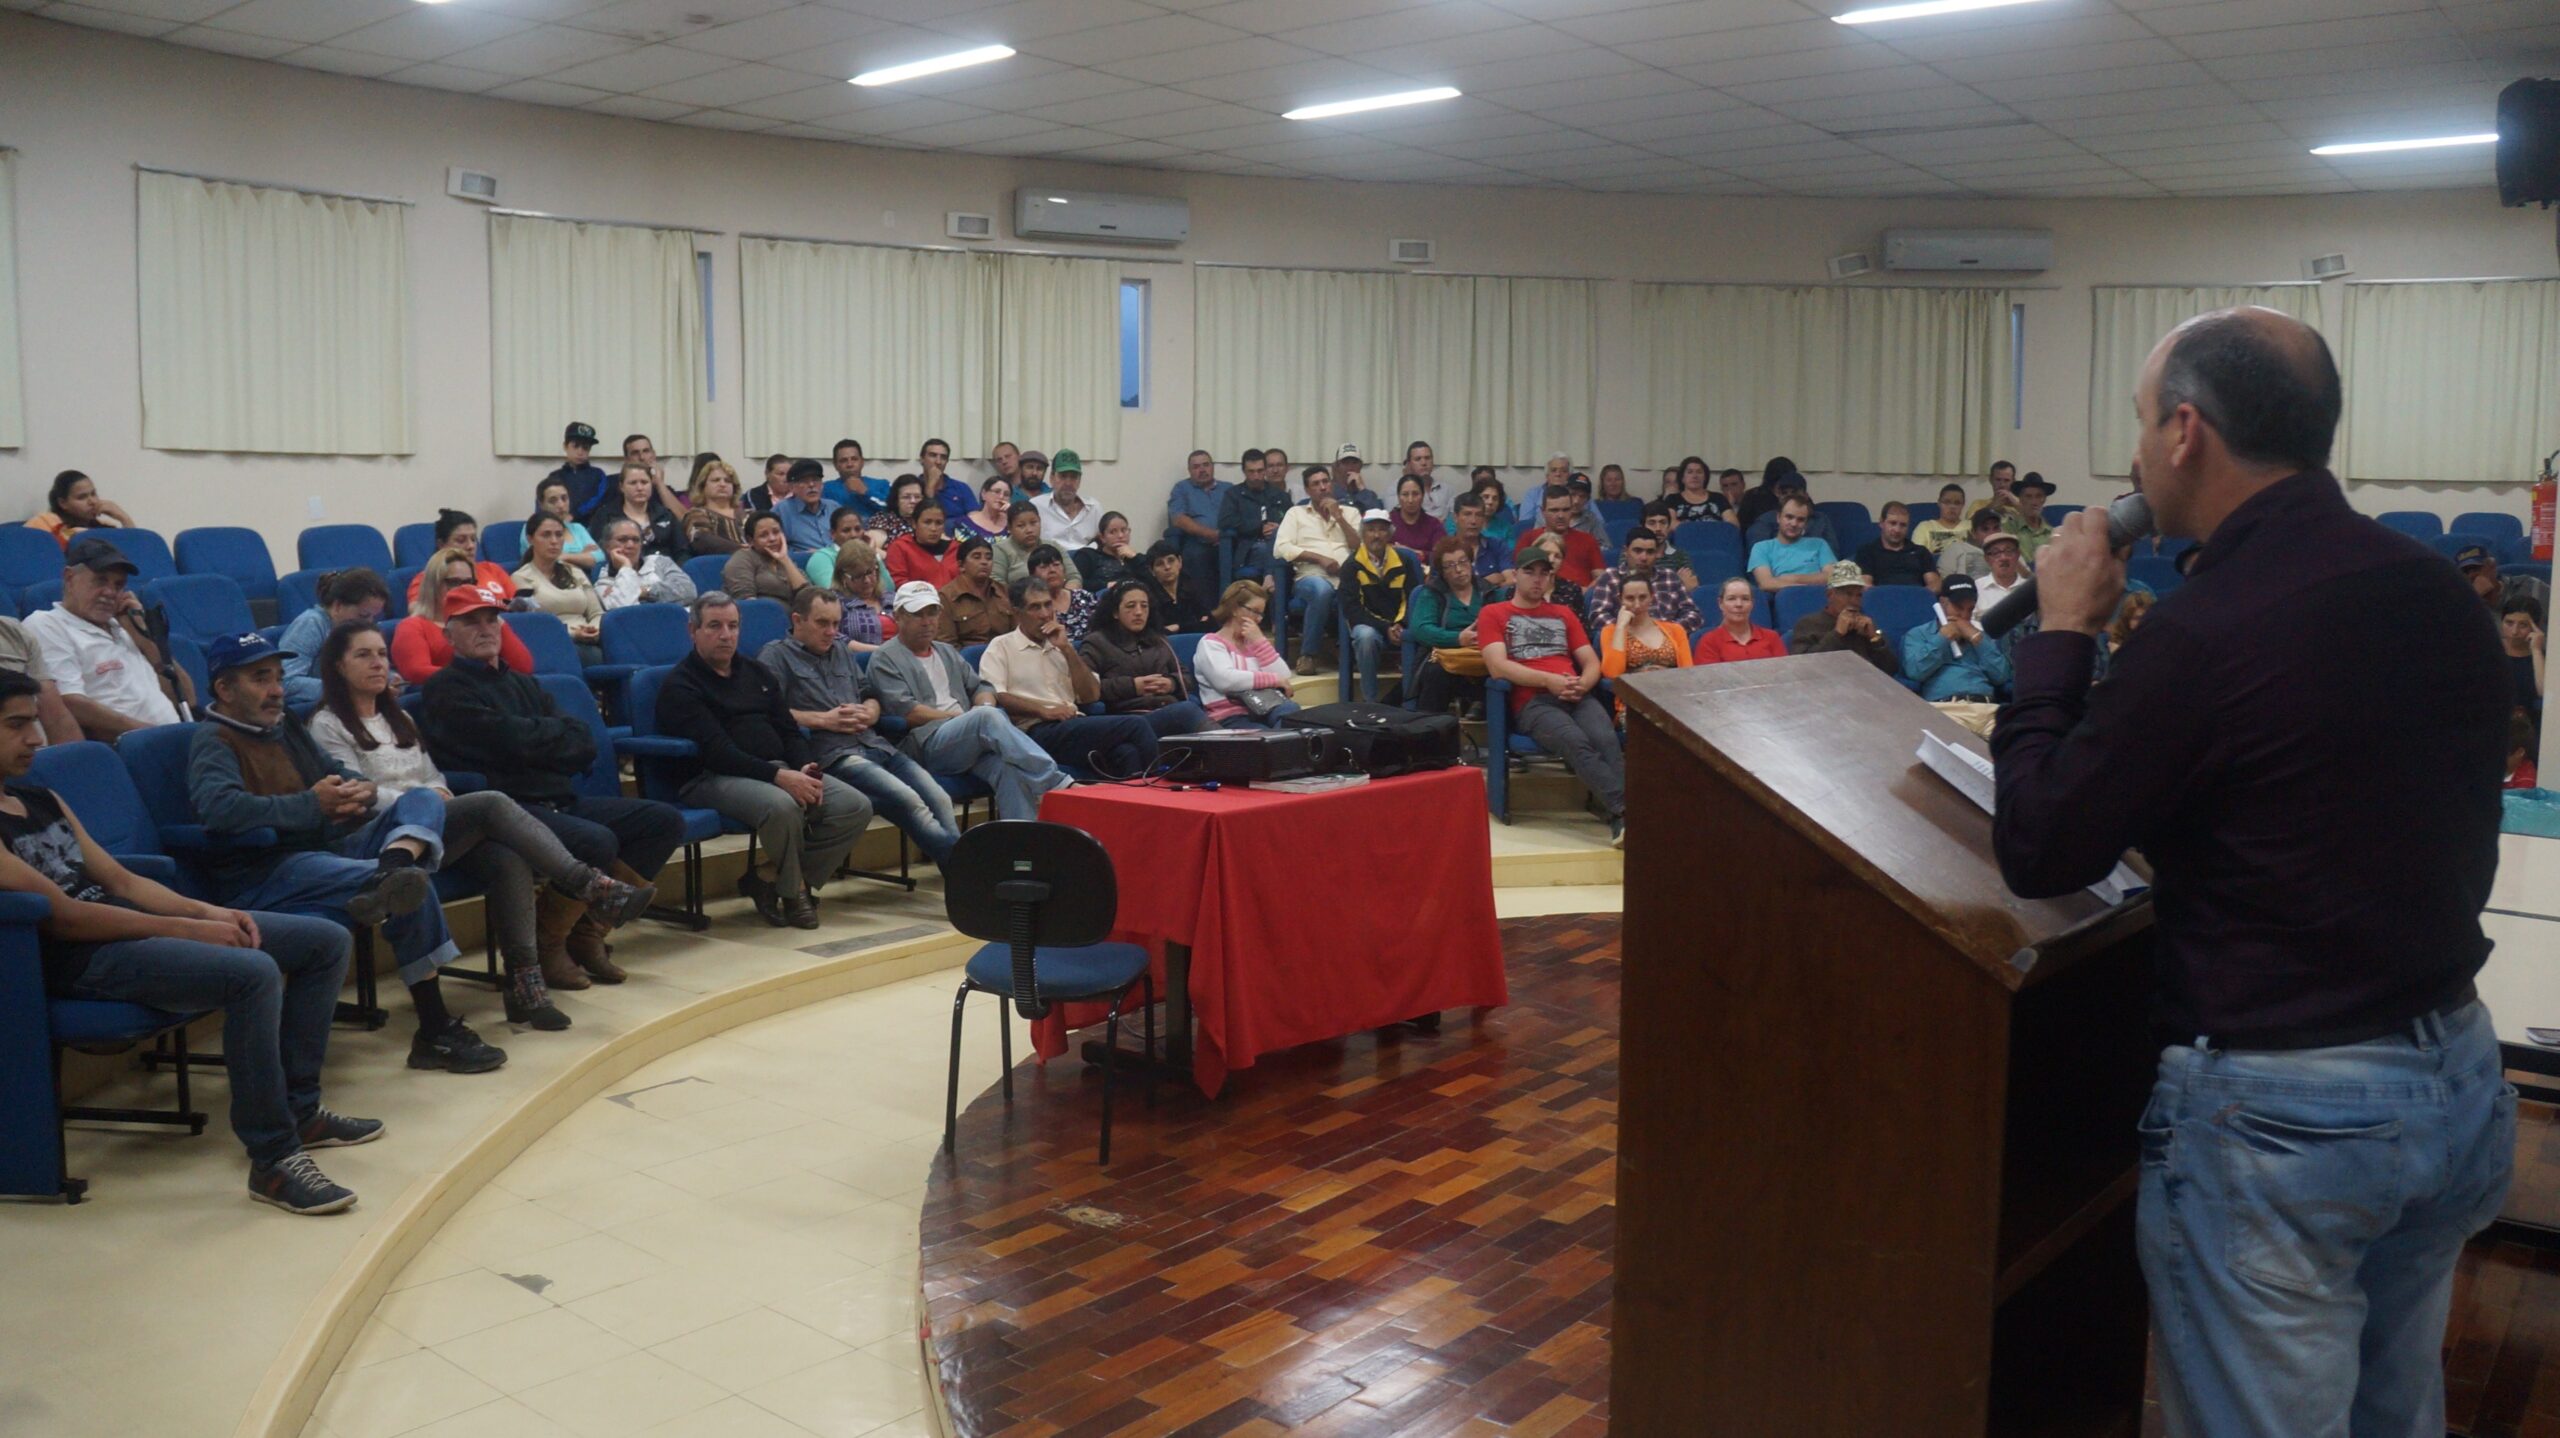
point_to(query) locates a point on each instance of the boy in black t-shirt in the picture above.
(1894, 559)
(118, 937)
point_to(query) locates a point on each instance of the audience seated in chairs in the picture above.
(1673, 560)
(1315, 540)
(1969, 556)
(848, 459)
(361, 726)
(715, 517)
(1501, 521)
(807, 515)
(347, 596)
(2479, 565)
(1067, 519)
(635, 497)
(458, 533)
(928, 555)
(1842, 624)
(72, 507)
(419, 649)
(1735, 636)
(752, 764)
(1635, 641)
(1136, 666)
(1947, 527)
(1243, 681)
(20, 654)
(1541, 648)
(1193, 511)
(114, 674)
(846, 528)
(117, 937)
(577, 545)
(484, 717)
(975, 609)
(1249, 518)
(1640, 558)
(765, 569)
(1695, 498)
(1489, 558)
(1576, 554)
(1077, 607)
(1170, 590)
(635, 574)
(1377, 585)
(1013, 548)
(333, 852)
(897, 519)
(992, 519)
(1113, 556)
(864, 623)
(1892, 557)
(832, 698)
(1044, 684)
(953, 724)
(2028, 522)
(561, 589)
(1444, 622)
(1949, 658)
(933, 466)
(1794, 555)
(2006, 561)
(579, 477)
(1411, 524)
(1817, 525)
(776, 489)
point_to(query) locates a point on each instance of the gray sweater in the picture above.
(898, 679)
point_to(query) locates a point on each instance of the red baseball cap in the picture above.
(469, 599)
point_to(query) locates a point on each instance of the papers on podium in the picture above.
(1972, 775)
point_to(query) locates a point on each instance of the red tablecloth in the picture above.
(1309, 916)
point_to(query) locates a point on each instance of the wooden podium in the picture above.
(1876, 1155)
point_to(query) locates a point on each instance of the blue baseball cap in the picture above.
(237, 651)
(2471, 556)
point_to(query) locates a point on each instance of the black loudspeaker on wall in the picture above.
(2529, 143)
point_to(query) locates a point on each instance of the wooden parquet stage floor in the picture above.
(1400, 1233)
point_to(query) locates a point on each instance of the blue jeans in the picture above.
(2299, 1219)
(1367, 643)
(985, 742)
(276, 1010)
(1183, 716)
(1253, 558)
(319, 882)
(1311, 596)
(1116, 746)
(1247, 721)
(901, 792)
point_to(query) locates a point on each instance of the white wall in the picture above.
(84, 106)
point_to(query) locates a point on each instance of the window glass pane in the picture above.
(1133, 343)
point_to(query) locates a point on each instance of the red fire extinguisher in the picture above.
(2546, 508)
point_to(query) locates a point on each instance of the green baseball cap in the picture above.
(1066, 461)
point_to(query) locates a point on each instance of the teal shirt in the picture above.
(1806, 556)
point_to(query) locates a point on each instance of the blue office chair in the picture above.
(2161, 575)
(202, 606)
(548, 641)
(237, 552)
(2492, 526)
(603, 780)
(762, 621)
(1898, 609)
(296, 592)
(655, 758)
(28, 557)
(342, 546)
(1794, 603)
(2416, 523)
(148, 551)
(2054, 514)
(1846, 515)
(704, 570)
(502, 543)
(412, 545)
(1714, 550)
(399, 581)
(1045, 897)
(1505, 745)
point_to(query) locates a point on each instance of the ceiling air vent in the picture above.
(961, 225)
(1849, 267)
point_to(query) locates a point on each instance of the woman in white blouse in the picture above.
(486, 834)
(559, 588)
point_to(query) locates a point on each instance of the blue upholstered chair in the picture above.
(654, 760)
(342, 546)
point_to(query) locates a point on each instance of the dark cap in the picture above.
(2034, 481)
(579, 432)
(1956, 586)
(97, 555)
(1536, 556)
(237, 651)
(2469, 556)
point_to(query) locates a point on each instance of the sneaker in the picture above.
(456, 1050)
(1617, 834)
(761, 892)
(297, 1185)
(617, 903)
(801, 910)
(333, 1130)
(1307, 664)
(388, 893)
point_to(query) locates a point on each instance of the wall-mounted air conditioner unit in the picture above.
(2012, 251)
(471, 185)
(1093, 215)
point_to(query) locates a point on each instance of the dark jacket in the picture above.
(585, 481)
(1120, 658)
(662, 534)
(1819, 633)
(740, 722)
(1247, 509)
(241, 779)
(499, 724)
(1375, 594)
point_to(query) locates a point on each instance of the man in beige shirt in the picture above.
(1044, 683)
(1315, 539)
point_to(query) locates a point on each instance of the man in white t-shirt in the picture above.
(1067, 519)
(2008, 570)
(108, 672)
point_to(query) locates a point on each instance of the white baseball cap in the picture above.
(1376, 516)
(1350, 452)
(914, 597)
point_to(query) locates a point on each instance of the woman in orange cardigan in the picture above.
(1635, 641)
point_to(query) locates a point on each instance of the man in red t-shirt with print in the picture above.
(1542, 649)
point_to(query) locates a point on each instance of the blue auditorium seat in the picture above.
(342, 546)
(412, 545)
(230, 550)
(2416, 523)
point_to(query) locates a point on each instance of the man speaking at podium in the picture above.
(2304, 741)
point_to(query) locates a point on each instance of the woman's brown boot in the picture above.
(554, 915)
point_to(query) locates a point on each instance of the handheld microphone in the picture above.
(2128, 520)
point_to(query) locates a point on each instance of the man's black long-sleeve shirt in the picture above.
(740, 721)
(2306, 741)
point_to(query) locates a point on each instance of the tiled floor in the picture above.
(725, 1245)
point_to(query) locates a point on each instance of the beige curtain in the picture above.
(601, 323)
(1536, 359)
(272, 321)
(1299, 358)
(13, 411)
(2126, 321)
(1058, 365)
(1740, 373)
(1925, 384)
(2456, 381)
(1435, 370)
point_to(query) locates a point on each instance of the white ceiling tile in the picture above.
(652, 21)
(448, 77)
(1173, 123)
(1262, 17)
(226, 42)
(1240, 137)
(541, 52)
(780, 32)
(641, 107)
(1124, 105)
(2417, 77)
(2498, 15)
(2357, 61)
(911, 11)
(2252, 14)
(2324, 35)
(974, 130)
(2079, 60)
(431, 32)
(1406, 25)
(306, 21)
(548, 92)
(1045, 141)
(816, 102)
(133, 16)
(345, 62)
(642, 69)
(1591, 62)
(115, 20)
(1641, 27)
(1028, 20)
(1806, 68)
(539, 11)
(1880, 80)
(1286, 87)
(1136, 37)
(725, 120)
(1124, 152)
(738, 84)
(1442, 59)
(1057, 87)
(1734, 45)
(2149, 79)
(889, 119)
(1203, 62)
(2177, 100)
(2054, 28)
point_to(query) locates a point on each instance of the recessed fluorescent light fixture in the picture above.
(1878, 14)
(1374, 102)
(917, 69)
(1057, 199)
(2433, 142)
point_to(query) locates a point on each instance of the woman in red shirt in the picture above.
(418, 647)
(925, 554)
(1737, 637)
